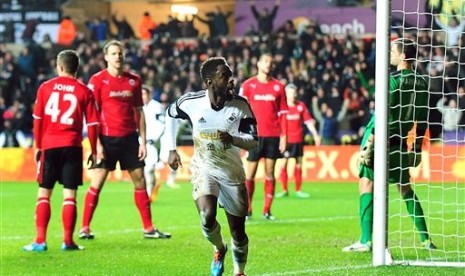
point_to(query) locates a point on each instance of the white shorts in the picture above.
(152, 156)
(231, 196)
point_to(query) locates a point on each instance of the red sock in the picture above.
(269, 195)
(284, 178)
(143, 204)
(250, 184)
(90, 203)
(43, 213)
(298, 178)
(68, 216)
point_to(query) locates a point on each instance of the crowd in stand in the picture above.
(334, 75)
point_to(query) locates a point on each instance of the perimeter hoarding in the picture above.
(320, 164)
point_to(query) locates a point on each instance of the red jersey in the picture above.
(61, 104)
(297, 116)
(117, 98)
(268, 102)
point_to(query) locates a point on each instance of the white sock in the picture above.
(214, 236)
(240, 250)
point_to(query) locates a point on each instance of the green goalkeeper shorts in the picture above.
(398, 168)
(366, 171)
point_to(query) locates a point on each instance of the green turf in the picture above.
(306, 238)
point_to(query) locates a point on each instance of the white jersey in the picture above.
(154, 120)
(214, 161)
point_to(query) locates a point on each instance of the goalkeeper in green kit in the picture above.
(408, 103)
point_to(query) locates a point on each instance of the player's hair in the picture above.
(112, 43)
(69, 60)
(265, 54)
(208, 68)
(291, 86)
(407, 47)
(147, 88)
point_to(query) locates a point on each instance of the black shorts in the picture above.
(60, 164)
(268, 147)
(294, 150)
(123, 149)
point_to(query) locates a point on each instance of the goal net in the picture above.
(438, 29)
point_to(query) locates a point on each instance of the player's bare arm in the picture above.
(142, 133)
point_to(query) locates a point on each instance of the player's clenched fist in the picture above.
(174, 160)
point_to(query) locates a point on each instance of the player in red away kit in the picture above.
(297, 116)
(119, 101)
(267, 98)
(59, 111)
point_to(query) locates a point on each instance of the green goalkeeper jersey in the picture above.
(408, 102)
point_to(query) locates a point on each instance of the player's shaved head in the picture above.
(69, 61)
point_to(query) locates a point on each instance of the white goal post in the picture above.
(439, 181)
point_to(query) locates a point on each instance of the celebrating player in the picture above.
(119, 101)
(297, 116)
(408, 101)
(267, 98)
(222, 124)
(59, 111)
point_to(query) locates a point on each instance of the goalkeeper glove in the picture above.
(415, 155)
(367, 152)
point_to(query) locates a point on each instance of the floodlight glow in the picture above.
(184, 9)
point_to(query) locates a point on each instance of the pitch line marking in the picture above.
(317, 270)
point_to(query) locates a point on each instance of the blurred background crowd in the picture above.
(329, 70)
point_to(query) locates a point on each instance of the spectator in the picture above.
(29, 30)
(10, 136)
(146, 27)
(221, 21)
(124, 29)
(451, 117)
(98, 29)
(328, 123)
(67, 32)
(265, 18)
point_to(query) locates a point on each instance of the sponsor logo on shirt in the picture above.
(209, 135)
(121, 94)
(293, 117)
(266, 98)
(63, 87)
(105, 82)
(232, 118)
(202, 120)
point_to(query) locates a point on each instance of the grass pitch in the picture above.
(306, 238)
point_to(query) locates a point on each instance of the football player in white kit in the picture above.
(222, 124)
(155, 122)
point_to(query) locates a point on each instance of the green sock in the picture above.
(416, 212)
(366, 216)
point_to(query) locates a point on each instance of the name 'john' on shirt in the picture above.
(63, 87)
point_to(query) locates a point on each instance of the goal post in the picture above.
(381, 134)
(437, 27)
